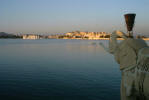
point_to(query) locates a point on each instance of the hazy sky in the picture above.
(60, 16)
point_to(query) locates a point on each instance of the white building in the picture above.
(31, 36)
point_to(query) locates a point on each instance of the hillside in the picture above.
(6, 35)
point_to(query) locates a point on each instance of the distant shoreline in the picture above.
(69, 35)
(146, 39)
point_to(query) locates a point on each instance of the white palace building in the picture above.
(31, 36)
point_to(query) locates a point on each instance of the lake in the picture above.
(57, 70)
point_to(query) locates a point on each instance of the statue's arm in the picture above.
(113, 42)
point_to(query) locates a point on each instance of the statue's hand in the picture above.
(114, 35)
(121, 34)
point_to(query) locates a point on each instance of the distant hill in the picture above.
(6, 35)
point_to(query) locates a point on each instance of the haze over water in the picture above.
(61, 16)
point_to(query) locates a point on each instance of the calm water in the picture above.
(57, 70)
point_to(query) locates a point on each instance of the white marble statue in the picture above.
(133, 57)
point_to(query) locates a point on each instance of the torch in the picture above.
(130, 19)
